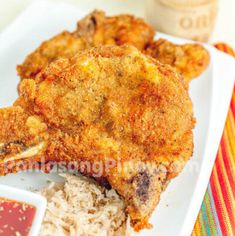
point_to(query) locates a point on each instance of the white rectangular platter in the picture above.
(211, 93)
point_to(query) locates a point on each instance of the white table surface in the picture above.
(224, 31)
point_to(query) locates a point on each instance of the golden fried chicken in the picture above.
(112, 106)
(97, 29)
(190, 60)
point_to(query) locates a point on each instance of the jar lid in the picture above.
(186, 3)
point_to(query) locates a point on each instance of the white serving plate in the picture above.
(211, 93)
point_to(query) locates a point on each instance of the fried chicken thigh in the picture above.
(97, 29)
(105, 105)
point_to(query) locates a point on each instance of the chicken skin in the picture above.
(109, 105)
(97, 29)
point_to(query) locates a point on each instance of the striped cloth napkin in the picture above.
(217, 214)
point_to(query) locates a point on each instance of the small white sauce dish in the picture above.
(30, 198)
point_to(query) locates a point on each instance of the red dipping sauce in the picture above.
(16, 218)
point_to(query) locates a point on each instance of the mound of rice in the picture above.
(81, 207)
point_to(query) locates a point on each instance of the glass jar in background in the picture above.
(191, 19)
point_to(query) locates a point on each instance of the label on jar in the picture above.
(188, 19)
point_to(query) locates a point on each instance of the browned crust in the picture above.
(190, 60)
(108, 102)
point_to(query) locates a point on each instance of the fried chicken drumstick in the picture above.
(97, 29)
(106, 103)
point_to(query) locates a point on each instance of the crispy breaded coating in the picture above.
(96, 29)
(108, 104)
(99, 29)
(63, 45)
(190, 60)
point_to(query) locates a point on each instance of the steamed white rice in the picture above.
(81, 207)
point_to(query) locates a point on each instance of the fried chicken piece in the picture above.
(111, 106)
(62, 45)
(99, 29)
(190, 60)
(96, 29)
